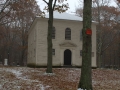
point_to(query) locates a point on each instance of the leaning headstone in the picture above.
(5, 61)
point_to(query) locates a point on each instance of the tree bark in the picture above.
(86, 77)
(49, 38)
(99, 42)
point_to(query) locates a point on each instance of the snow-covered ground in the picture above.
(24, 78)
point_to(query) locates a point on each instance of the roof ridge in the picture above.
(65, 16)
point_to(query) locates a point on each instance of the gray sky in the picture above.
(72, 4)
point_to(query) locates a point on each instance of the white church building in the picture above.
(66, 39)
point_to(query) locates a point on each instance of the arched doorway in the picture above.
(67, 57)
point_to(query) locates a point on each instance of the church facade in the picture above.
(66, 39)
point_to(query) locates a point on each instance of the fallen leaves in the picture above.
(24, 78)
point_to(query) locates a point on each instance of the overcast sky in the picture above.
(72, 5)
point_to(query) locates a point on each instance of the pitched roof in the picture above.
(65, 16)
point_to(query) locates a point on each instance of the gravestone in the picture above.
(5, 61)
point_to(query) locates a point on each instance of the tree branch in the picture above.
(46, 2)
(54, 4)
(4, 6)
(110, 43)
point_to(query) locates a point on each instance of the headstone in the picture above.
(5, 61)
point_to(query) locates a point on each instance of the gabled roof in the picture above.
(65, 16)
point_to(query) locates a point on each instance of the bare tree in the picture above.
(51, 6)
(14, 32)
(86, 78)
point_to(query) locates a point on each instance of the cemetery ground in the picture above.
(25, 78)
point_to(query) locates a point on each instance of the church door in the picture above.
(67, 57)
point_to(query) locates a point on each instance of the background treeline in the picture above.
(108, 32)
(16, 17)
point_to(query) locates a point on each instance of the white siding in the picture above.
(59, 43)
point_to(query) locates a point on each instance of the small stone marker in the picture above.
(5, 61)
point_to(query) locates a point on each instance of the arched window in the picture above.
(67, 34)
(53, 33)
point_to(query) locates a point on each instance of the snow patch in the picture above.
(49, 74)
(17, 73)
(65, 16)
(81, 89)
(42, 87)
(19, 76)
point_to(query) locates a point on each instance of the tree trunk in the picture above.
(99, 42)
(22, 58)
(99, 62)
(49, 38)
(86, 78)
(23, 50)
